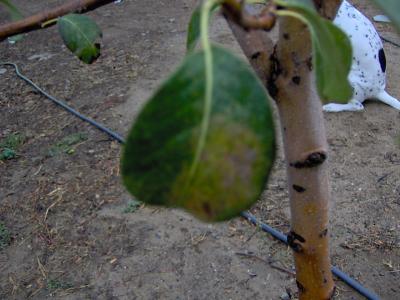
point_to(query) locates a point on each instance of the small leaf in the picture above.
(8, 154)
(16, 15)
(193, 31)
(392, 9)
(332, 51)
(239, 148)
(80, 35)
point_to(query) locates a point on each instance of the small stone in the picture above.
(284, 296)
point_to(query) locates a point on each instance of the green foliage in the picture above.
(193, 31)
(133, 206)
(239, 147)
(80, 34)
(9, 146)
(5, 236)
(7, 154)
(332, 50)
(67, 143)
(55, 284)
(12, 141)
(15, 14)
(392, 9)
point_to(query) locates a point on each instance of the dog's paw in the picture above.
(351, 106)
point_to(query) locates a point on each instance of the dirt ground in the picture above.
(75, 232)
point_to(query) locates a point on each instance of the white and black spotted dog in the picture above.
(367, 75)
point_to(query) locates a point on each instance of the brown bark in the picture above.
(305, 148)
(36, 21)
(257, 47)
(289, 79)
(328, 9)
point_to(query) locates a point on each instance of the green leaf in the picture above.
(238, 151)
(392, 9)
(133, 206)
(80, 35)
(67, 143)
(5, 236)
(16, 15)
(332, 51)
(193, 31)
(8, 154)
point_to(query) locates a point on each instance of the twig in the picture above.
(265, 20)
(256, 45)
(37, 21)
(52, 205)
(269, 262)
(41, 268)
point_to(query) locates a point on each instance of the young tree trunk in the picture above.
(290, 81)
(305, 149)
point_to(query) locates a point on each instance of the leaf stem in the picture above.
(49, 22)
(287, 13)
(209, 84)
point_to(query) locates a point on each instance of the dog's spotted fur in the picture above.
(367, 75)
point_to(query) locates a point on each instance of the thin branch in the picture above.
(256, 45)
(264, 20)
(37, 21)
(328, 9)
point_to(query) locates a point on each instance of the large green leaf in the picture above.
(16, 15)
(332, 51)
(392, 9)
(80, 34)
(238, 151)
(193, 31)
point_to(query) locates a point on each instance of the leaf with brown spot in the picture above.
(239, 147)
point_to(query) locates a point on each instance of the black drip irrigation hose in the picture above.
(389, 41)
(338, 273)
(252, 219)
(111, 133)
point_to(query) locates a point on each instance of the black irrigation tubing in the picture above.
(275, 233)
(111, 133)
(338, 273)
(389, 41)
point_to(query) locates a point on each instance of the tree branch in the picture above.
(36, 21)
(263, 20)
(257, 46)
(328, 9)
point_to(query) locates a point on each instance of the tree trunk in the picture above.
(305, 149)
(290, 81)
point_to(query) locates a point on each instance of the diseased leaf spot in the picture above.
(234, 163)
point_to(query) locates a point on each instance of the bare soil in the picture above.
(75, 234)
